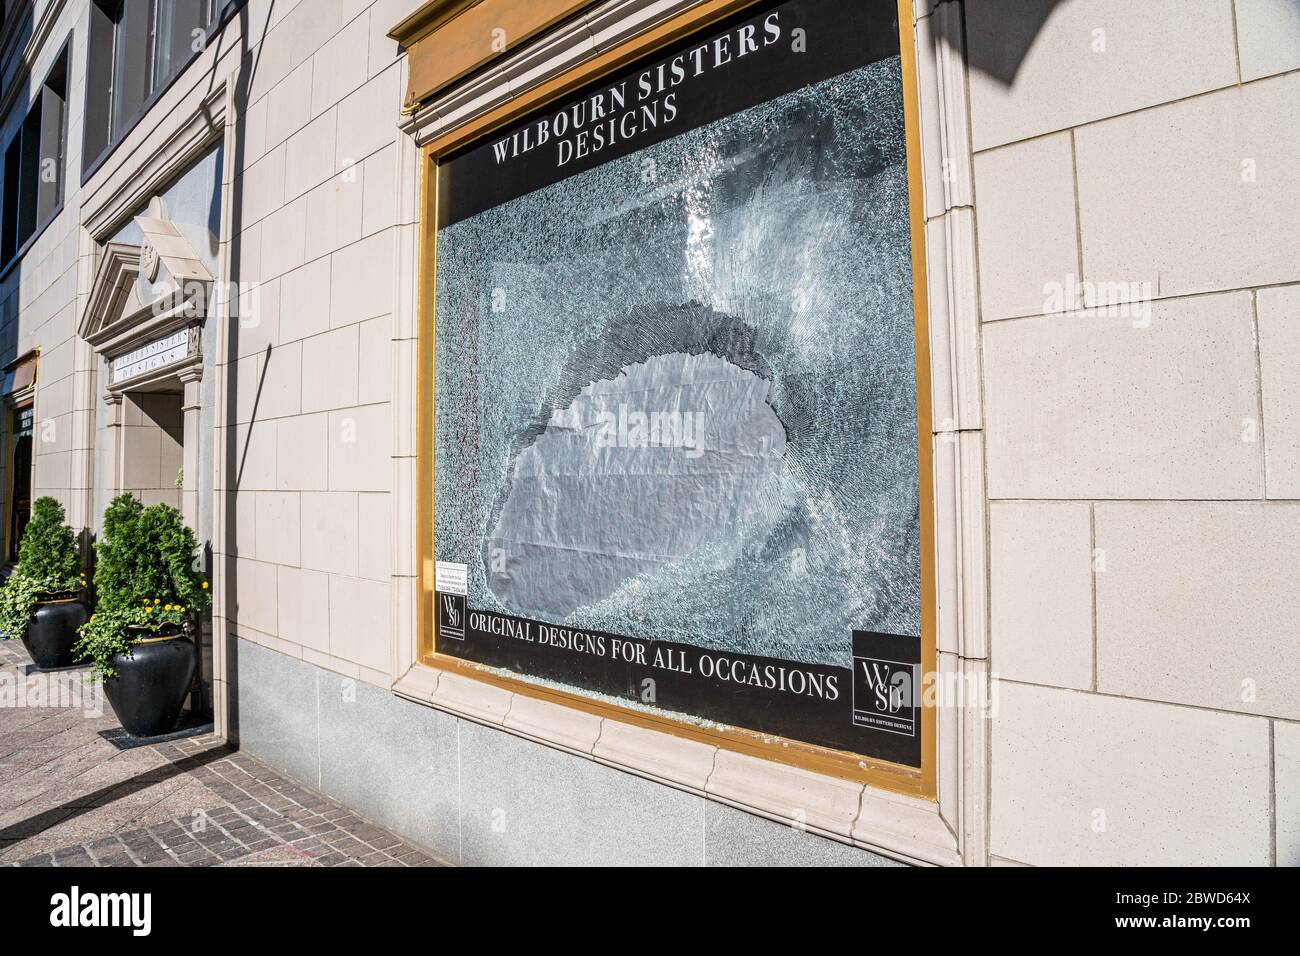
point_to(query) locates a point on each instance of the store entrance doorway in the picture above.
(20, 465)
(153, 444)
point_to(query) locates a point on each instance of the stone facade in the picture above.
(1111, 224)
(1142, 626)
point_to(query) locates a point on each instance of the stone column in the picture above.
(191, 378)
(115, 412)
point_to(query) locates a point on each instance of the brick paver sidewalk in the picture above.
(70, 797)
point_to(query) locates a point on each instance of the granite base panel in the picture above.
(476, 795)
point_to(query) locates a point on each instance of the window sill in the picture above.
(903, 827)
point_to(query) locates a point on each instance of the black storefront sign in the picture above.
(753, 58)
(817, 703)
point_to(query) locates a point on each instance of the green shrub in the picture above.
(49, 551)
(48, 562)
(145, 581)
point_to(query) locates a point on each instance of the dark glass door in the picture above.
(21, 477)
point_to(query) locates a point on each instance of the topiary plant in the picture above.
(48, 551)
(49, 562)
(145, 581)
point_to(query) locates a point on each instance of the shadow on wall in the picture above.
(1000, 57)
(234, 455)
(249, 57)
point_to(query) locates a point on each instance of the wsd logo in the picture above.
(451, 615)
(885, 688)
(133, 910)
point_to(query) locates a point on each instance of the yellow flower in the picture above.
(148, 610)
(156, 601)
(167, 607)
(205, 585)
(180, 607)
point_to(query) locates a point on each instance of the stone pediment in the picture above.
(113, 294)
(142, 291)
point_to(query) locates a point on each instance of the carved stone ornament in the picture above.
(149, 262)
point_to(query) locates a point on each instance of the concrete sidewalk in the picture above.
(75, 791)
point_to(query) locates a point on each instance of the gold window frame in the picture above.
(819, 759)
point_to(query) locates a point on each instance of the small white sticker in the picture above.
(451, 578)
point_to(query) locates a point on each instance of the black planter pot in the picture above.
(151, 685)
(53, 630)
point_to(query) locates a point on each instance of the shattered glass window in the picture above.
(676, 392)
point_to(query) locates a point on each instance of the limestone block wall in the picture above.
(313, 224)
(1137, 216)
(153, 440)
(38, 293)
